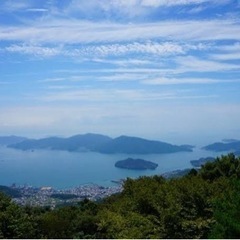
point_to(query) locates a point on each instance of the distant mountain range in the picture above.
(102, 144)
(233, 146)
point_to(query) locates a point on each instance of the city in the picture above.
(48, 196)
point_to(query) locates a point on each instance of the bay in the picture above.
(62, 169)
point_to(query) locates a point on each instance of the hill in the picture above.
(226, 146)
(136, 164)
(86, 142)
(134, 145)
(102, 144)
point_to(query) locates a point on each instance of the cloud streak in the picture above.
(86, 32)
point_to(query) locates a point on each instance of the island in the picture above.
(136, 164)
(100, 143)
(232, 146)
(202, 161)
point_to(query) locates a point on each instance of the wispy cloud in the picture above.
(110, 96)
(98, 51)
(168, 3)
(226, 56)
(131, 8)
(123, 77)
(54, 79)
(166, 48)
(177, 81)
(195, 64)
(51, 32)
(37, 10)
(34, 50)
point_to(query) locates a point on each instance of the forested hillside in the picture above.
(202, 204)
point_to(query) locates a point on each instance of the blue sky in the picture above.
(163, 69)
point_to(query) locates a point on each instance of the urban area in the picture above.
(48, 196)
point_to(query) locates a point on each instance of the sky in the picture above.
(159, 69)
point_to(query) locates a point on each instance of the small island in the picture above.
(198, 163)
(136, 164)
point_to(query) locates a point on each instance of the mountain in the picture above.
(84, 142)
(6, 140)
(136, 164)
(102, 144)
(88, 141)
(134, 145)
(220, 146)
(44, 143)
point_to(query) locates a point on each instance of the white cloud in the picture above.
(37, 10)
(33, 50)
(73, 31)
(123, 77)
(194, 64)
(166, 48)
(177, 81)
(226, 56)
(125, 62)
(55, 79)
(94, 53)
(169, 3)
(130, 8)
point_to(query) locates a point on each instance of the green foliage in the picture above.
(227, 213)
(226, 166)
(14, 221)
(204, 203)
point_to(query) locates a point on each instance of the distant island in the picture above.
(227, 145)
(136, 164)
(202, 161)
(100, 143)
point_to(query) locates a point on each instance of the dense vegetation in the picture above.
(202, 204)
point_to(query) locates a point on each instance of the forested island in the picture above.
(204, 203)
(136, 164)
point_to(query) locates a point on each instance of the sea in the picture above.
(63, 169)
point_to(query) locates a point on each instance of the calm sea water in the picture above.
(61, 169)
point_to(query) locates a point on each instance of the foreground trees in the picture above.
(202, 204)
